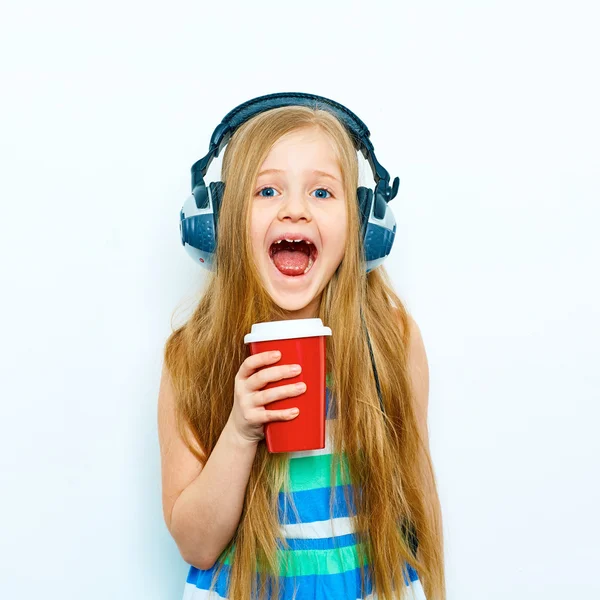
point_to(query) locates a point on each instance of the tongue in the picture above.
(291, 262)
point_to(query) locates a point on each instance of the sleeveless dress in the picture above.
(322, 561)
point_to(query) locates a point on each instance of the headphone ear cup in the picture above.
(365, 199)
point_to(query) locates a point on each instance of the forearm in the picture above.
(208, 511)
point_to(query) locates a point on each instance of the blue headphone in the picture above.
(200, 213)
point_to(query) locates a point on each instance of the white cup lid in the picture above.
(285, 330)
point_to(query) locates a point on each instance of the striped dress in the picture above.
(322, 561)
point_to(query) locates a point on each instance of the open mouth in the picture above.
(293, 258)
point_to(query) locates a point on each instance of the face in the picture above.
(291, 199)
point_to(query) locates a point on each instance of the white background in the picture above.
(488, 113)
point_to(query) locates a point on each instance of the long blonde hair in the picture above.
(382, 449)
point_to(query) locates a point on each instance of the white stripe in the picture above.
(416, 591)
(318, 529)
(191, 592)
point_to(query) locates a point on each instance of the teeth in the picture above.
(279, 241)
(310, 264)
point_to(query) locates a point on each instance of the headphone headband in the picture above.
(242, 113)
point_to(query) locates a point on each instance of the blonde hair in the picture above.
(382, 449)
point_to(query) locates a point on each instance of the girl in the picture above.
(360, 518)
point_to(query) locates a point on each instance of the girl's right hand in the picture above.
(248, 414)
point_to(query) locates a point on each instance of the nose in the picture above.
(296, 206)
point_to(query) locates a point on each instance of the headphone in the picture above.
(199, 216)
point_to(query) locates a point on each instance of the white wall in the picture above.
(488, 112)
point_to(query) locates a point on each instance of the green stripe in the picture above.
(311, 472)
(316, 562)
(328, 380)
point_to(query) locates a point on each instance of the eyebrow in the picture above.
(315, 171)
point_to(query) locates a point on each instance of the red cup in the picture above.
(302, 342)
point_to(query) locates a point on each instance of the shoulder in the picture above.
(417, 353)
(411, 332)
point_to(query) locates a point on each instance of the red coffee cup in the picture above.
(302, 342)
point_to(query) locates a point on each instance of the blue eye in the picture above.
(265, 188)
(325, 190)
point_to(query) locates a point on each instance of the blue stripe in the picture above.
(329, 543)
(313, 505)
(309, 587)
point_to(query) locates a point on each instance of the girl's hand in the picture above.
(248, 414)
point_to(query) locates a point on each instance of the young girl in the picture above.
(361, 517)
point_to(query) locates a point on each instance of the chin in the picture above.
(292, 297)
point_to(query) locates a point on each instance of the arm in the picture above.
(419, 373)
(202, 503)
